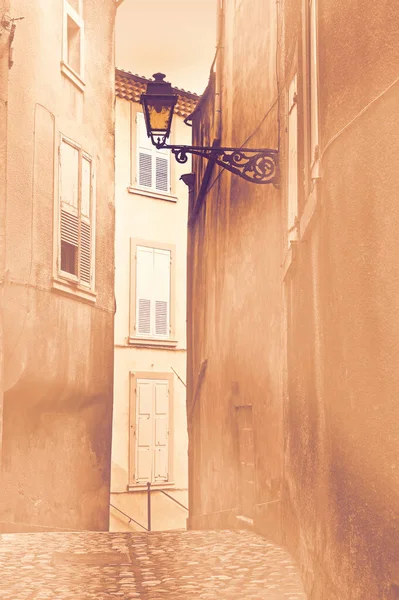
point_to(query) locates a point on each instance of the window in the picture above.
(76, 210)
(72, 51)
(150, 417)
(152, 292)
(292, 192)
(153, 166)
(313, 81)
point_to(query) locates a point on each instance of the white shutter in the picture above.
(161, 417)
(144, 289)
(313, 59)
(161, 292)
(292, 208)
(69, 181)
(85, 225)
(144, 429)
(145, 154)
(162, 171)
(69, 227)
(69, 199)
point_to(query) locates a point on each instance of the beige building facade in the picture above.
(293, 292)
(57, 262)
(149, 423)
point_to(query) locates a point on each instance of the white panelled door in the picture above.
(152, 430)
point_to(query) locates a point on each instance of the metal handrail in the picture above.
(148, 528)
(174, 500)
(128, 517)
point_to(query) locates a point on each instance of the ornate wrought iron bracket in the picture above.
(255, 165)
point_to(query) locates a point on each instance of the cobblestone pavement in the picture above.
(192, 565)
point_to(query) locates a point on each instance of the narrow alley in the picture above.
(210, 565)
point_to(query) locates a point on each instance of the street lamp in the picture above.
(255, 165)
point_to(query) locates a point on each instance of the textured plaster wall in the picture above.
(58, 350)
(163, 221)
(235, 297)
(312, 344)
(342, 332)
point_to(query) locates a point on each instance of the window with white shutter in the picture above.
(151, 430)
(292, 195)
(76, 199)
(313, 82)
(153, 292)
(153, 166)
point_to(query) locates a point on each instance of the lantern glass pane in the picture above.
(159, 116)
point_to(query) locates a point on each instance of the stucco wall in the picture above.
(58, 349)
(160, 221)
(308, 337)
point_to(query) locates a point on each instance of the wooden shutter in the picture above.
(144, 430)
(313, 68)
(292, 208)
(162, 170)
(161, 292)
(152, 430)
(161, 430)
(86, 230)
(145, 154)
(144, 289)
(69, 195)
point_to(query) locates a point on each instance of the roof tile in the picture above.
(130, 87)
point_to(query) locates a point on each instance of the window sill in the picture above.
(73, 76)
(150, 194)
(141, 487)
(152, 343)
(70, 288)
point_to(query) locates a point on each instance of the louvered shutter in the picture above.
(161, 292)
(145, 154)
(85, 231)
(162, 170)
(69, 197)
(144, 429)
(161, 432)
(144, 290)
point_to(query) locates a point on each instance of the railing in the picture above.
(148, 528)
(128, 517)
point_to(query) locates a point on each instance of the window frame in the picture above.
(134, 376)
(134, 186)
(66, 68)
(63, 280)
(311, 93)
(150, 340)
(292, 191)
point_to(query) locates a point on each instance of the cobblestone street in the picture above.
(208, 565)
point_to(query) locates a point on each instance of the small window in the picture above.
(153, 166)
(76, 210)
(73, 39)
(313, 81)
(153, 292)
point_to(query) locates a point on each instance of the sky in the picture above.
(176, 37)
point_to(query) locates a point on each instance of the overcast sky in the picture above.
(176, 37)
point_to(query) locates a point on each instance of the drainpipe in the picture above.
(6, 27)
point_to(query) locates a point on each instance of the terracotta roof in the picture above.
(130, 87)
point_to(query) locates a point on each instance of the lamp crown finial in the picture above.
(159, 76)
